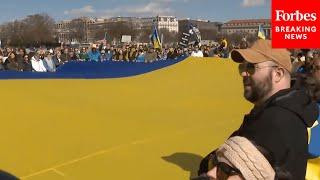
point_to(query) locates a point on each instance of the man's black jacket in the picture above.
(280, 126)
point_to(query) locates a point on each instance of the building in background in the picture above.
(250, 26)
(75, 30)
(201, 24)
(63, 31)
(168, 22)
(85, 29)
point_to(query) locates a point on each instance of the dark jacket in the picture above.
(280, 126)
(13, 66)
(150, 57)
(26, 66)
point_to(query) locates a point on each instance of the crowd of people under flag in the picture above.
(45, 59)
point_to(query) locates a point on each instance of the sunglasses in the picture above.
(250, 68)
(224, 170)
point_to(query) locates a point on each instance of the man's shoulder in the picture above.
(275, 110)
(275, 123)
(278, 116)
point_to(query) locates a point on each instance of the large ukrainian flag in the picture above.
(153, 125)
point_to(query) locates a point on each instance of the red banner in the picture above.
(296, 23)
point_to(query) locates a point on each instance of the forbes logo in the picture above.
(281, 15)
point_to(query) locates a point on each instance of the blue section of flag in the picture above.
(314, 145)
(93, 70)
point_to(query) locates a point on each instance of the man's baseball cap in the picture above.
(262, 51)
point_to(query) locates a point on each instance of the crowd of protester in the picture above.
(49, 59)
(303, 60)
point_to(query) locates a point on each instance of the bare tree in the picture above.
(208, 34)
(235, 38)
(113, 30)
(34, 30)
(143, 35)
(100, 33)
(39, 28)
(168, 37)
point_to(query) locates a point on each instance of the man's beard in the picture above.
(258, 89)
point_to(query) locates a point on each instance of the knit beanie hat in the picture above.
(243, 155)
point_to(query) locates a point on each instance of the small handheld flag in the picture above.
(155, 39)
(261, 34)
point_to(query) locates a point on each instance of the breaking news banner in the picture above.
(296, 23)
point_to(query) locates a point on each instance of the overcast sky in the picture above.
(214, 10)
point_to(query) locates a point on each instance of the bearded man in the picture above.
(280, 116)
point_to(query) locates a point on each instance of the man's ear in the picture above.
(279, 74)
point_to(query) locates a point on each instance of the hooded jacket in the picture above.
(280, 126)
